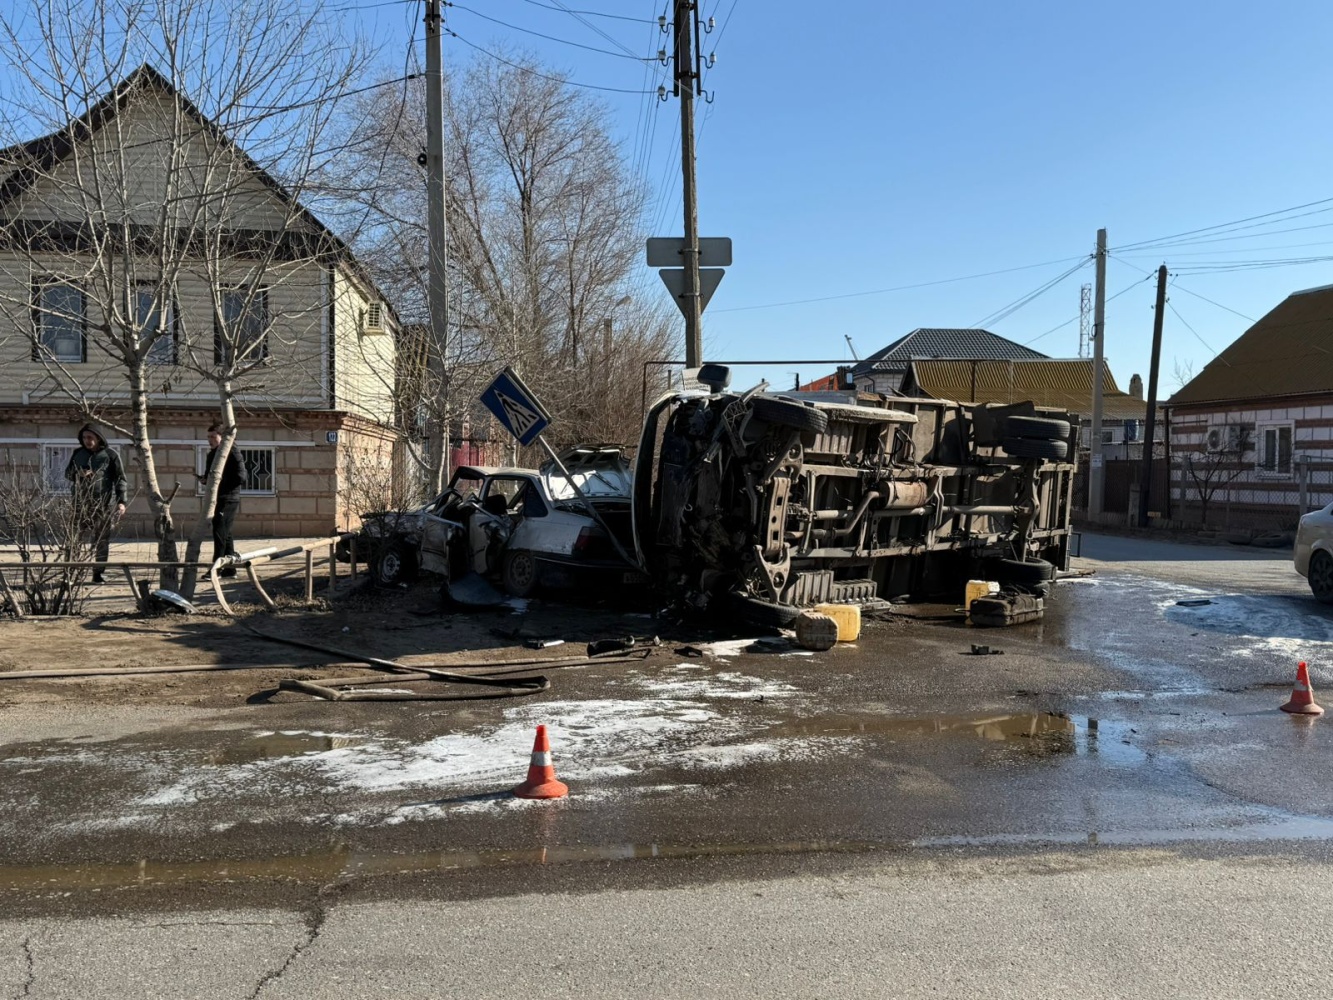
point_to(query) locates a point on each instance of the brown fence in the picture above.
(1119, 481)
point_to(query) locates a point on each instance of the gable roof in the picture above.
(1288, 352)
(941, 342)
(1063, 384)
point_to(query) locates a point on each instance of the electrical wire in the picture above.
(544, 76)
(1212, 350)
(592, 13)
(901, 288)
(550, 38)
(1227, 225)
(1021, 301)
(1059, 326)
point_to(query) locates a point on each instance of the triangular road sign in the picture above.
(709, 279)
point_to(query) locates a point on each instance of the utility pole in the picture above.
(1150, 422)
(438, 220)
(687, 78)
(1095, 470)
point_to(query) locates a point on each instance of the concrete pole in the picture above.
(685, 83)
(1096, 474)
(438, 221)
(1150, 422)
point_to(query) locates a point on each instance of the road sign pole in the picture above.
(620, 549)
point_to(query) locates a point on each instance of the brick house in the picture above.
(1256, 425)
(317, 419)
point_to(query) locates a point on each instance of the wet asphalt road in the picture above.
(1126, 737)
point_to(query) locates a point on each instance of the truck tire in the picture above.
(757, 611)
(1042, 428)
(395, 564)
(1036, 448)
(789, 413)
(1022, 572)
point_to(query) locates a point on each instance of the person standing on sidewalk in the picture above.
(97, 480)
(234, 479)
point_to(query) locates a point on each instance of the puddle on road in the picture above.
(342, 863)
(997, 727)
(1279, 827)
(272, 746)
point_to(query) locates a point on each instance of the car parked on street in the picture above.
(1313, 555)
(522, 528)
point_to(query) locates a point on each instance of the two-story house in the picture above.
(142, 215)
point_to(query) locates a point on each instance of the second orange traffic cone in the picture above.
(542, 783)
(1302, 697)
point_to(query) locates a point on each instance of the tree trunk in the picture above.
(203, 527)
(163, 524)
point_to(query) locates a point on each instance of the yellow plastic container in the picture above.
(978, 588)
(847, 617)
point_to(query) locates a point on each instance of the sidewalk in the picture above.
(114, 597)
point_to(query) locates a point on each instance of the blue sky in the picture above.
(858, 146)
(861, 146)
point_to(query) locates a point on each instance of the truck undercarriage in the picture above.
(778, 502)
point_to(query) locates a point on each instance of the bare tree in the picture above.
(1211, 470)
(143, 206)
(545, 227)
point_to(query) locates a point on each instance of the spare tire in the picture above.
(789, 413)
(1022, 572)
(1036, 448)
(1036, 427)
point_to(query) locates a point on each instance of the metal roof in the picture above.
(1063, 384)
(937, 342)
(1289, 352)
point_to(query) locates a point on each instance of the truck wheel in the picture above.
(1036, 448)
(395, 564)
(1321, 577)
(1042, 428)
(1023, 572)
(789, 413)
(519, 573)
(757, 611)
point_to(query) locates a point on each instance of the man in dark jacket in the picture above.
(98, 481)
(234, 479)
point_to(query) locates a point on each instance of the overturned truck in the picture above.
(763, 504)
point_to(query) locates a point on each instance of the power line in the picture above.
(592, 13)
(1191, 329)
(901, 288)
(1007, 311)
(1060, 326)
(549, 38)
(1226, 225)
(544, 76)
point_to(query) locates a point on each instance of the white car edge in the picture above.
(1313, 555)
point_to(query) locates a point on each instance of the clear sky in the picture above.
(857, 146)
(861, 145)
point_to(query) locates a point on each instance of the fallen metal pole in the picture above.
(329, 694)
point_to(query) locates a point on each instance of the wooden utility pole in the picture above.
(687, 78)
(438, 221)
(1150, 421)
(1096, 474)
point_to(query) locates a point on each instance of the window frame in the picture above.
(40, 286)
(252, 296)
(201, 462)
(54, 482)
(1261, 451)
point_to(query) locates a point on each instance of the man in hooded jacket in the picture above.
(98, 482)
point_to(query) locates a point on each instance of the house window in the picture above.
(375, 317)
(149, 318)
(55, 459)
(259, 464)
(60, 319)
(242, 326)
(1108, 437)
(1274, 449)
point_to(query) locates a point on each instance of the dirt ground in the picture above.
(411, 626)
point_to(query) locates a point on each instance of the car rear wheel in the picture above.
(395, 564)
(519, 573)
(1321, 577)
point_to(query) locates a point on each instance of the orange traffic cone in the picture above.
(541, 783)
(1302, 697)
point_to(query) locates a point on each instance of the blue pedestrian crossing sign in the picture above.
(515, 407)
